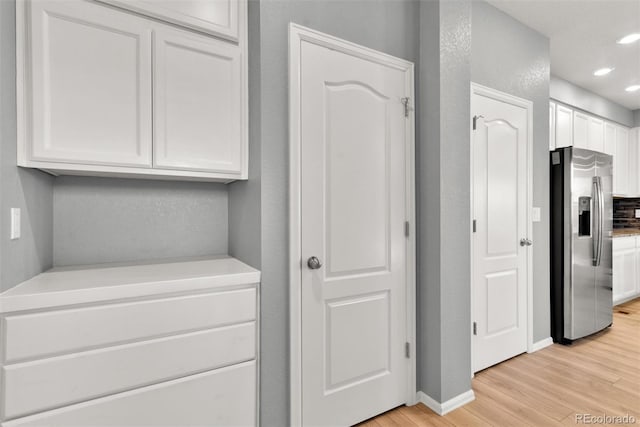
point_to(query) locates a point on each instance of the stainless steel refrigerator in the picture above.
(581, 243)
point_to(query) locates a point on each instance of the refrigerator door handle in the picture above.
(595, 235)
(601, 220)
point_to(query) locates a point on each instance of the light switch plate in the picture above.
(15, 223)
(535, 215)
(637, 213)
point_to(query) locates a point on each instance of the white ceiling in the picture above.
(583, 36)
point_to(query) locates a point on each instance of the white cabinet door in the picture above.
(580, 130)
(217, 17)
(621, 162)
(610, 138)
(552, 126)
(90, 85)
(198, 103)
(596, 134)
(564, 126)
(624, 274)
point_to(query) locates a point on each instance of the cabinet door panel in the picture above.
(580, 130)
(621, 162)
(564, 126)
(610, 139)
(217, 17)
(198, 103)
(552, 126)
(596, 134)
(91, 85)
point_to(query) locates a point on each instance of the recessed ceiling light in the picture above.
(633, 88)
(602, 71)
(630, 38)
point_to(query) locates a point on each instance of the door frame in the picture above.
(477, 89)
(297, 34)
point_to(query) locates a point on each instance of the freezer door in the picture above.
(604, 272)
(580, 292)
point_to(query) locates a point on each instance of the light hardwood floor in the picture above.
(596, 375)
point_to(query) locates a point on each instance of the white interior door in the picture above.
(353, 139)
(500, 199)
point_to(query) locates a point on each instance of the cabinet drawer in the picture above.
(49, 383)
(224, 397)
(622, 243)
(36, 335)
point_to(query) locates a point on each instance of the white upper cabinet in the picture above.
(198, 89)
(621, 161)
(90, 68)
(216, 17)
(106, 92)
(564, 126)
(580, 130)
(595, 135)
(552, 126)
(609, 138)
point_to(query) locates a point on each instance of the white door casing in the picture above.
(501, 206)
(351, 165)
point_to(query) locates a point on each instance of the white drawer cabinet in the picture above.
(106, 92)
(626, 268)
(69, 365)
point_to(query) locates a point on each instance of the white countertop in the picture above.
(102, 282)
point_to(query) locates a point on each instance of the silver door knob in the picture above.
(525, 242)
(314, 263)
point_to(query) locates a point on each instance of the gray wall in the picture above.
(388, 26)
(27, 189)
(523, 58)
(575, 96)
(443, 164)
(245, 233)
(99, 220)
(636, 118)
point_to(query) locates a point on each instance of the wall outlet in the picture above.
(15, 223)
(637, 213)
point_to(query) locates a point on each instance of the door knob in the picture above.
(314, 263)
(525, 242)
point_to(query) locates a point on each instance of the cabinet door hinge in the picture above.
(475, 121)
(407, 107)
(475, 328)
(406, 228)
(407, 350)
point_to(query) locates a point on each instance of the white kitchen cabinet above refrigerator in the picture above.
(106, 92)
(569, 128)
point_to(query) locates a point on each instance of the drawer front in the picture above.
(50, 383)
(622, 243)
(224, 397)
(44, 334)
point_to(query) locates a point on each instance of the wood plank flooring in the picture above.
(596, 375)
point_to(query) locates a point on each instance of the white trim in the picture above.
(448, 406)
(539, 345)
(528, 105)
(297, 34)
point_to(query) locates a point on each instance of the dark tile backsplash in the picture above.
(624, 210)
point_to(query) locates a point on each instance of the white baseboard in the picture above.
(540, 345)
(448, 406)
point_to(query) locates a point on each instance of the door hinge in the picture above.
(406, 228)
(474, 226)
(475, 328)
(407, 107)
(475, 121)
(407, 350)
